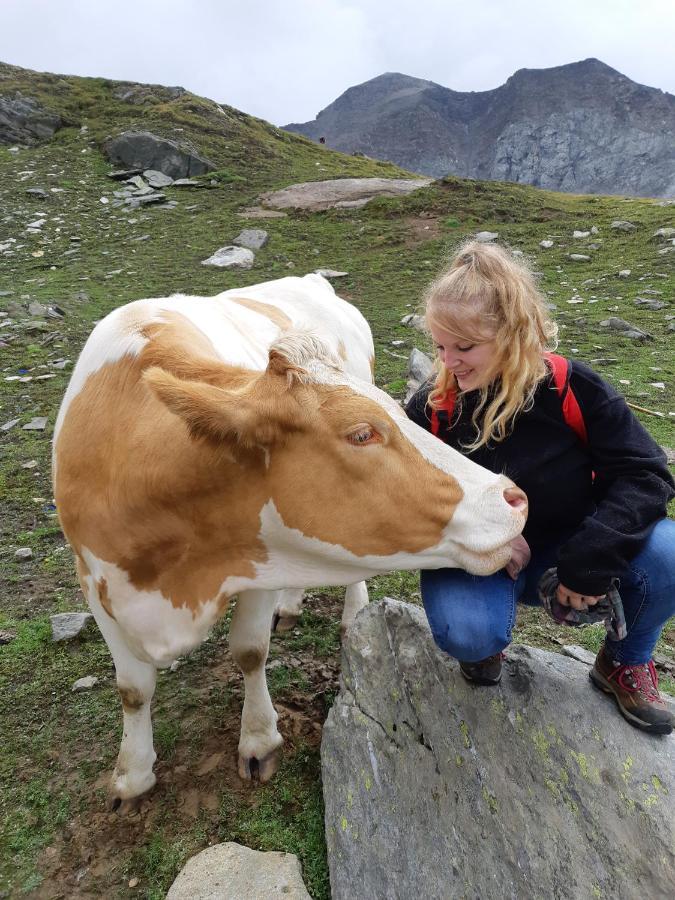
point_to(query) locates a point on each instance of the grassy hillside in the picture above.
(89, 257)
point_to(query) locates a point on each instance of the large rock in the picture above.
(232, 872)
(24, 121)
(340, 192)
(231, 257)
(536, 788)
(144, 150)
(420, 369)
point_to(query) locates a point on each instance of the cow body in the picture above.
(208, 447)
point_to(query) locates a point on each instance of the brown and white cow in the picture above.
(208, 447)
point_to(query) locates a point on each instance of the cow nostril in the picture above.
(515, 498)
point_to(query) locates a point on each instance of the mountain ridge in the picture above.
(581, 127)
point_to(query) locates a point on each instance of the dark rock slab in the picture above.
(536, 788)
(24, 121)
(144, 150)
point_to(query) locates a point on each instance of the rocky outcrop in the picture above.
(144, 150)
(535, 788)
(340, 193)
(582, 127)
(24, 121)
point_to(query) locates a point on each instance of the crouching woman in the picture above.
(597, 484)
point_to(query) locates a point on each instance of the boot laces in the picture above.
(640, 678)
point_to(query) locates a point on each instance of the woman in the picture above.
(597, 507)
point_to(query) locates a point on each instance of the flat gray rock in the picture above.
(621, 225)
(232, 872)
(614, 323)
(435, 788)
(318, 195)
(66, 626)
(39, 423)
(251, 238)
(144, 150)
(486, 237)
(157, 179)
(231, 258)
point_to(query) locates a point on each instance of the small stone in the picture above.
(39, 423)
(664, 234)
(23, 553)
(485, 237)
(84, 684)
(579, 257)
(31, 464)
(38, 193)
(133, 882)
(68, 625)
(231, 257)
(546, 244)
(7, 637)
(595, 230)
(580, 234)
(658, 384)
(621, 225)
(157, 179)
(251, 238)
(330, 273)
(185, 182)
(648, 303)
(579, 653)
(624, 273)
(10, 424)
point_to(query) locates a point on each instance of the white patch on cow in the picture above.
(156, 631)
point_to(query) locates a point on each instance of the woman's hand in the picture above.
(566, 597)
(520, 557)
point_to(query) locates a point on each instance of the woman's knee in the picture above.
(470, 643)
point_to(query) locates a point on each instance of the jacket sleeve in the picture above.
(416, 408)
(632, 485)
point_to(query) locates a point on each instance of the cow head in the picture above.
(352, 486)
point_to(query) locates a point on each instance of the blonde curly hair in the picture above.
(487, 293)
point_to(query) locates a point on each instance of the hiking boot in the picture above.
(635, 689)
(485, 671)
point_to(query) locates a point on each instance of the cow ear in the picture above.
(243, 415)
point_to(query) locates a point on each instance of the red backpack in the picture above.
(560, 369)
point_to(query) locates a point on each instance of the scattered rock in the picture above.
(84, 684)
(144, 150)
(66, 626)
(24, 121)
(231, 257)
(485, 237)
(229, 872)
(624, 273)
(626, 329)
(581, 234)
(339, 192)
(620, 225)
(124, 174)
(6, 637)
(330, 273)
(37, 193)
(252, 238)
(39, 423)
(186, 182)
(578, 257)
(10, 424)
(23, 553)
(157, 179)
(649, 303)
(511, 782)
(546, 244)
(664, 234)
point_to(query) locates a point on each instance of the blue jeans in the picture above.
(471, 616)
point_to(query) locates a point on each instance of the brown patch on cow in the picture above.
(422, 228)
(132, 699)
(265, 309)
(249, 660)
(104, 599)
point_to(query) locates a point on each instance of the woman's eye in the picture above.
(466, 349)
(363, 436)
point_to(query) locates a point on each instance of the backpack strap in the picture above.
(560, 369)
(448, 406)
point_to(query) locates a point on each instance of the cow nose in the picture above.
(516, 498)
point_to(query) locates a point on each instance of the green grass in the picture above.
(57, 746)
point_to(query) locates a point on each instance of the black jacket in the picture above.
(599, 524)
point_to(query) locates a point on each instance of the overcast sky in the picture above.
(285, 60)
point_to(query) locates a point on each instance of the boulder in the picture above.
(231, 257)
(24, 121)
(420, 369)
(231, 872)
(144, 150)
(535, 788)
(614, 323)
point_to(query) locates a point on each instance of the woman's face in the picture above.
(472, 364)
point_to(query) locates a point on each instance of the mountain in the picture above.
(582, 127)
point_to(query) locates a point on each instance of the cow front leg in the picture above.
(288, 609)
(136, 680)
(250, 643)
(356, 597)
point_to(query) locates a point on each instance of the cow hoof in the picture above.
(126, 793)
(284, 623)
(253, 769)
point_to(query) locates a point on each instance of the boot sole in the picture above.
(481, 682)
(601, 683)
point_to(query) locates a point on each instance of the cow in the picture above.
(208, 447)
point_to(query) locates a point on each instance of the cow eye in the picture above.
(365, 434)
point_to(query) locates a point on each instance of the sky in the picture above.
(285, 60)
